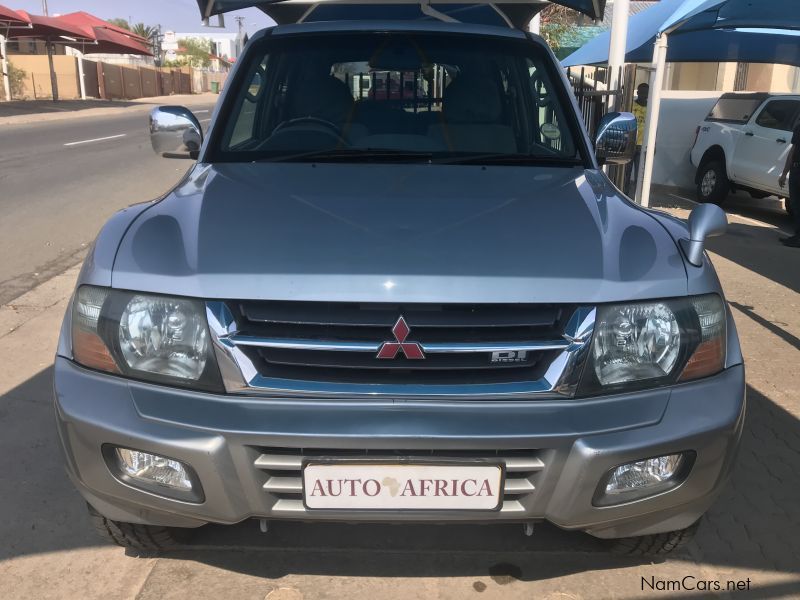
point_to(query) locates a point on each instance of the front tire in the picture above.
(658, 544)
(712, 182)
(143, 539)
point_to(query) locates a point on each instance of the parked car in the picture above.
(742, 145)
(482, 329)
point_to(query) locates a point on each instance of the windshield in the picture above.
(397, 97)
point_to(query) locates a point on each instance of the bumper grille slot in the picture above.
(280, 471)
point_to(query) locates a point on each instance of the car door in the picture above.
(761, 151)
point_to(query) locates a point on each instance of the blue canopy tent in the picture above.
(700, 31)
(695, 41)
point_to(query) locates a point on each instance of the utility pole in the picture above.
(44, 7)
(240, 39)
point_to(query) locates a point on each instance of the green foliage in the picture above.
(120, 23)
(16, 79)
(196, 51)
(148, 32)
(558, 23)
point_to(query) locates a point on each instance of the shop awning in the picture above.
(84, 32)
(12, 18)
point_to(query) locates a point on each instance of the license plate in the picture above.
(360, 486)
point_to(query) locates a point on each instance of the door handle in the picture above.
(781, 141)
(749, 133)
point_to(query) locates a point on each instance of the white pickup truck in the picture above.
(742, 145)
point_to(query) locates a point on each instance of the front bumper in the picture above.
(575, 442)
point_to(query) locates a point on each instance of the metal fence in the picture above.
(594, 95)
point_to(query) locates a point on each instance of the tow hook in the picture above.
(528, 529)
(263, 525)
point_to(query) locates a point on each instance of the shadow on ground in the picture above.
(34, 107)
(751, 246)
(754, 525)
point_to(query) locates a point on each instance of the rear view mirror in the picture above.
(707, 220)
(616, 138)
(175, 132)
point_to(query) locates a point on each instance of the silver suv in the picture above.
(397, 286)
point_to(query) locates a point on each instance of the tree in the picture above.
(120, 23)
(16, 78)
(148, 32)
(196, 51)
(557, 22)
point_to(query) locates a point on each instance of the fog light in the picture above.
(153, 468)
(158, 474)
(643, 478)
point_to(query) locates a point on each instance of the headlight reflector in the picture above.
(648, 344)
(144, 336)
(164, 336)
(635, 342)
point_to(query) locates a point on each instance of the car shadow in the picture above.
(750, 526)
(751, 246)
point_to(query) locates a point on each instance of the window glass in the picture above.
(383, 96)
(778, 114)
(735, 110)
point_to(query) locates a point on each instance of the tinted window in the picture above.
(735, 110)
(778, 114)
(439, 97)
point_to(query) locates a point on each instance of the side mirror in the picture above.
(707, 220)
(175, 132)
(616, 138)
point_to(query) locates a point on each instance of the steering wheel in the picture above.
(330, 128)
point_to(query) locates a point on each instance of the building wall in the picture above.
(37, 82)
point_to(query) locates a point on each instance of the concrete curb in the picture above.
(131, 106)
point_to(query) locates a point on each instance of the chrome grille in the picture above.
(315, 348)
(280, 472)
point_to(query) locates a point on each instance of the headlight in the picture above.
(144, 336)
(647, 344)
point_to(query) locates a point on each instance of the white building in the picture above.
(226, 45)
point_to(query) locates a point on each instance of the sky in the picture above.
(176, 15)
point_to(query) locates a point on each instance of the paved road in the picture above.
(60, 181)
(751, 535)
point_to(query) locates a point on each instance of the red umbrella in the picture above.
(11, 18)
(111, 42)
(86, 20)
(50, 28)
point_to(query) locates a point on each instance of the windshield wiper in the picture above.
(510, 159)
(349, 154)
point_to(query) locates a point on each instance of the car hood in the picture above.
(398, 232)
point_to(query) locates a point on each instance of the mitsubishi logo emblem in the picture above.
(411, 350)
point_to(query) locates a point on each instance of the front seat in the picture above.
(472, 111)
(329, 99)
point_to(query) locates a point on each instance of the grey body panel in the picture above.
(398, 233)
(579, 442)
(381, 233)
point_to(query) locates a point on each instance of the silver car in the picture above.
(421, 303)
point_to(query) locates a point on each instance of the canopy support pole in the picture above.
(81, 75)
(427, 9)
(616, 52)
(4, 67)
(53, 77)
(645, 178)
